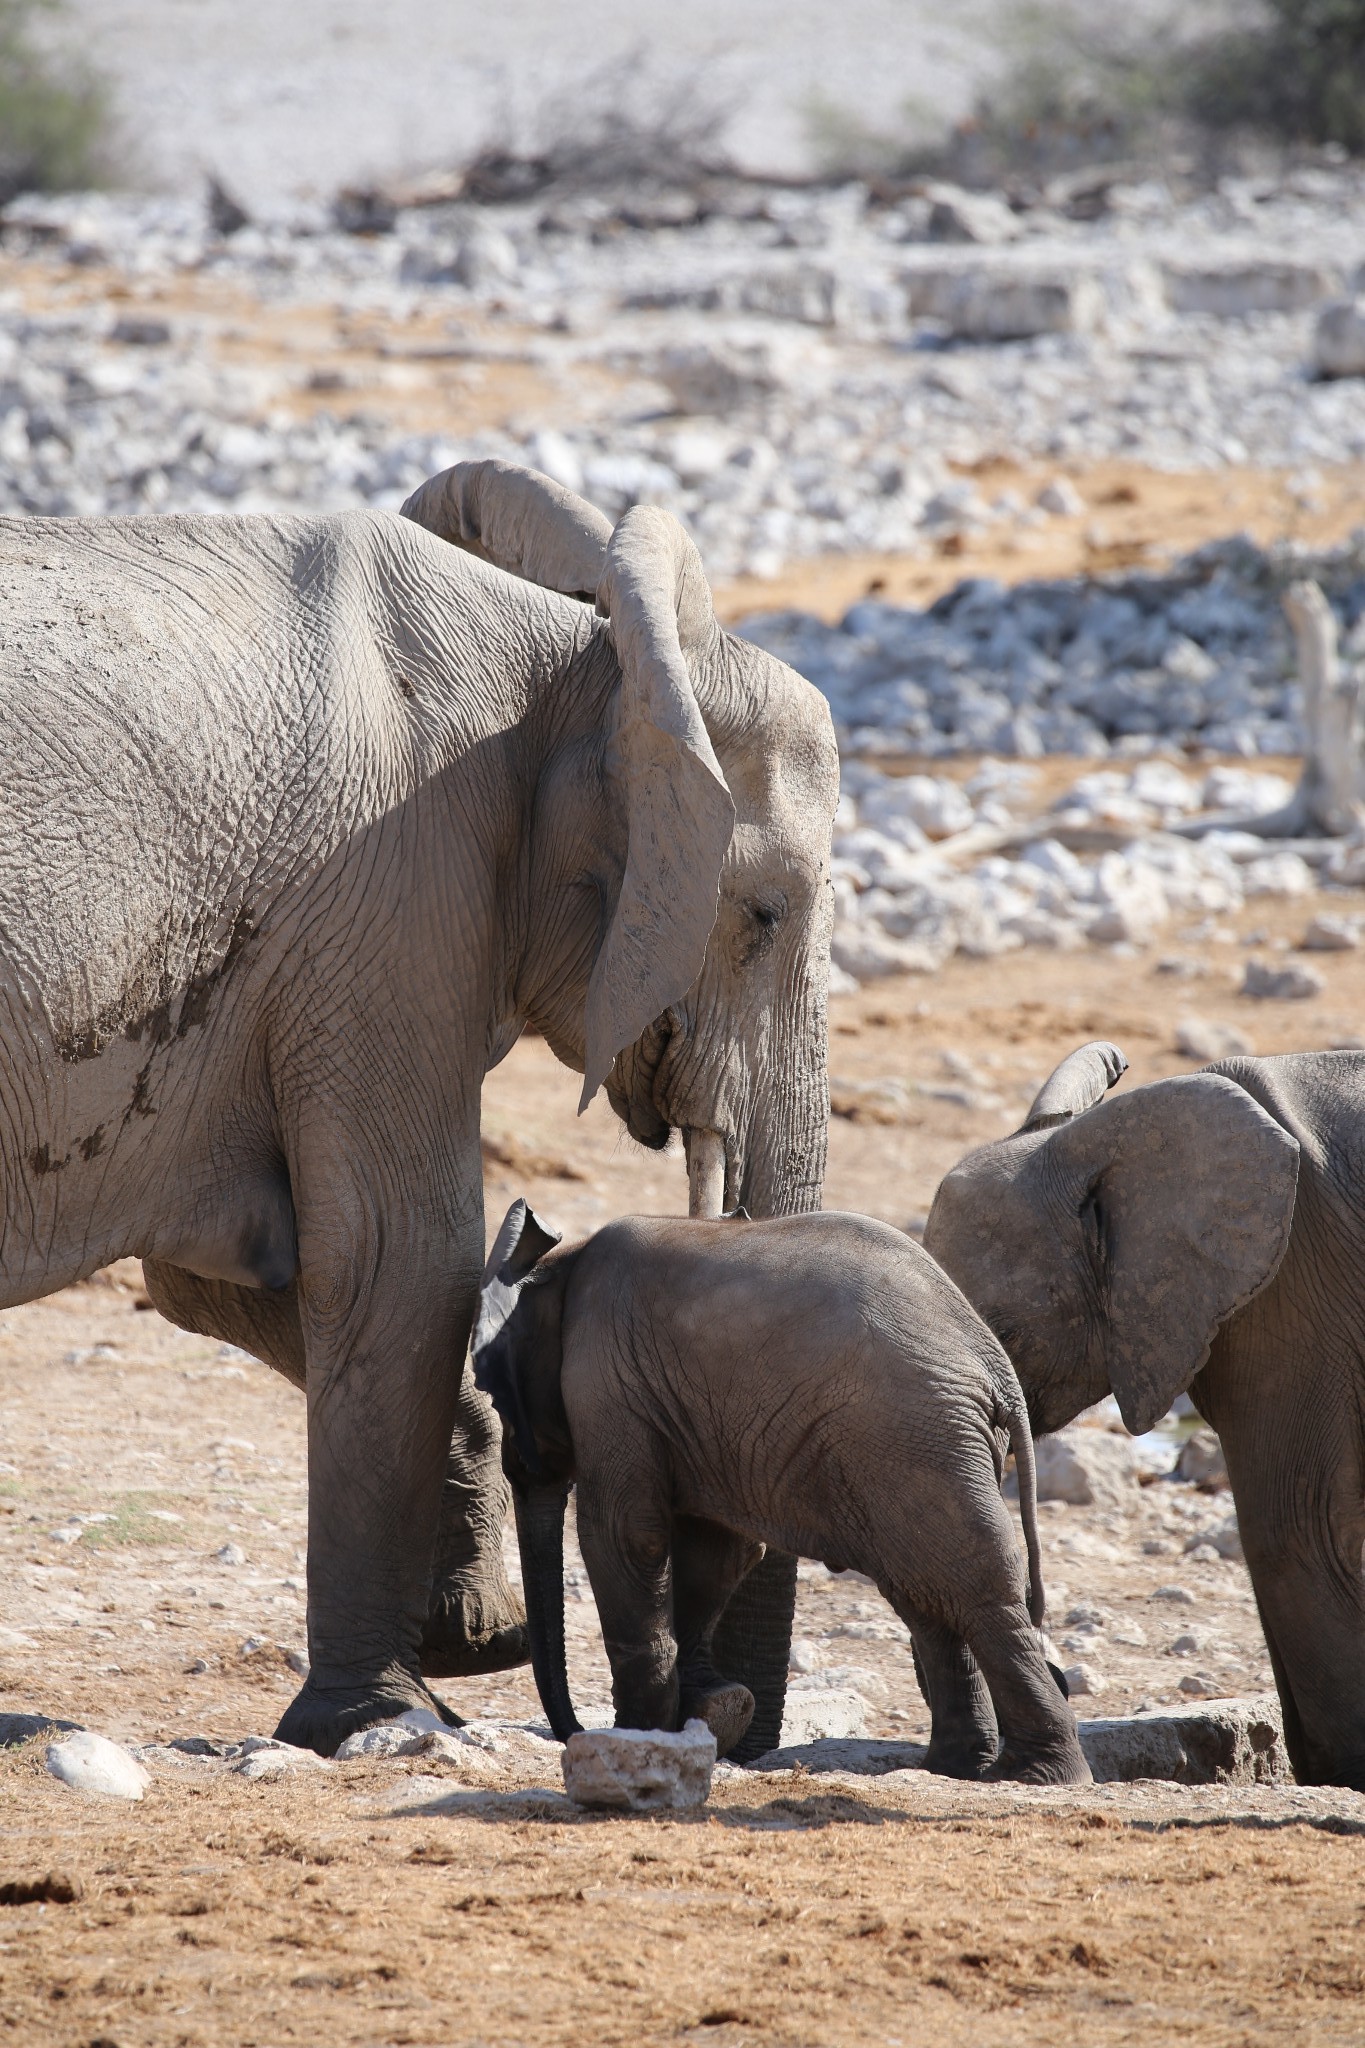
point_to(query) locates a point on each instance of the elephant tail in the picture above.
(540, 1537)
(1021, 1443)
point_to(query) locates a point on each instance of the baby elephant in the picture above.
(811, 1382)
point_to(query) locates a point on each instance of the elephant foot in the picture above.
(726, 1709)
(971, 1759)
(321, 1717)
(473, 1631)
(1064, 1765)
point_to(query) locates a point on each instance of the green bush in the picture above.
(54, 112)
(1296, 69)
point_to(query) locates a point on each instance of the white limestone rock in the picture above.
(1339, 342)
(828, 1713)
(264, 1757)
(91, 1763)
(640, 1770)
(1087, 1468)
(1235, 1742)
(1201, 1462)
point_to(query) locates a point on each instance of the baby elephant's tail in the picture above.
(1021, 1443)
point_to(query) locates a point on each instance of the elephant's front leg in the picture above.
(626, 1550)
(475, 1622)
(386, 1306)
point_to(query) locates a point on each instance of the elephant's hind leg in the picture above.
(708, 1563)
(964, 1739)
(1039, 1744)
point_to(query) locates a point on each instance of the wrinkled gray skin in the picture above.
(304, 821)
(812, 1382)
(1205, 1234)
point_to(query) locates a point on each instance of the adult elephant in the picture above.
(1205, 1233)
(305, 820)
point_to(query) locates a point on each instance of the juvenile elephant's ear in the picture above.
(1188, 1188)
(518, 520)
(679, 808)
(521, 1243)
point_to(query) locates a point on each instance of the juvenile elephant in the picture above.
(812, 1382)
(1205, 1234)
(302, 821)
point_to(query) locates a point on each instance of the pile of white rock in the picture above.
(1197, 656)
(926, 866)
(793, 372)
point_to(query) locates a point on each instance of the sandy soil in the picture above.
(152, 1524)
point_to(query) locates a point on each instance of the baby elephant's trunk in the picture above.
(1021, 1443)
(540, 1535)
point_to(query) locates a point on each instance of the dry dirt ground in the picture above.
(152, 1530)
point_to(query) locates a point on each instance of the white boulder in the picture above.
(640, 1770)
(264, 1757)
(91, 1763)
(812, 1715)
(1087, 1468)
(1339, 343)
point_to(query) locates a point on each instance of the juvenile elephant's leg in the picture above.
(1039, 1744)
(752, 1644)
(626, 1551)
(475, 1621)
(708, 1563)
(1298, 1479)
(964, 1740)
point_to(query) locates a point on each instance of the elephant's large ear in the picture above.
(521, 1243)
(679, 809)
(519, 520)
(1188, 1187)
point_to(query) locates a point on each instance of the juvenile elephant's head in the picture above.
(1105, 1242)
(681, 903)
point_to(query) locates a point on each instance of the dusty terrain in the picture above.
(152, 1528)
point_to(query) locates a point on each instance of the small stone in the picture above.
(1156, 1546)
(1178, 1596)
(1061, 498)
(1200, 1685)
(91, 1763)
(1184, 1646)
(1339, 342)
(1201, 1462)
(804, 1655)
(1199, 1038)
(1280, 984)
(1329, 934)
(1200, 1551)
(17, 1728)
(231, 1553)
(640, 1770)
(263, 1757)
(1082, 1680)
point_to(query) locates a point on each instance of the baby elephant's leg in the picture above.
(708, 1564)
(625, 1548)
(1039, 1743)
(963, 1741)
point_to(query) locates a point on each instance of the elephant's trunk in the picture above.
(540, 1535)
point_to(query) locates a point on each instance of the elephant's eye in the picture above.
(767, 916)
(1093, 1224)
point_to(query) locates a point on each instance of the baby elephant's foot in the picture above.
(726, 1709)
(960, 1757)
(1061, 1764)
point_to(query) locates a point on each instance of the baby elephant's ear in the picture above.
(1186, 1189)
(520, 1244)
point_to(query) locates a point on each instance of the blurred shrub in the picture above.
(1077, 83)
(54, 112)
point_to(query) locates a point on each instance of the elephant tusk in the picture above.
(705, 1172)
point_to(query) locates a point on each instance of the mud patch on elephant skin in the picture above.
(42, 1162)
(154, 1009)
